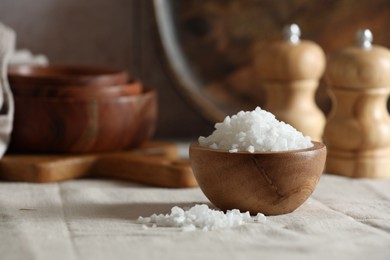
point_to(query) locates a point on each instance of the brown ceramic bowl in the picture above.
(271, 183)
(38, 75)
(82, 124)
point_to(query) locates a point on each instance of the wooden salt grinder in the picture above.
(290, 71)
(357, 132)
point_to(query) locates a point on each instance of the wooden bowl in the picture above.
(131, 88)
(39, 75)
(82, 124)
(271, 183)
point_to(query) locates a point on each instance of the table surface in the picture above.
(96, 219)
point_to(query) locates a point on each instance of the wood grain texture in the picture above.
(83, 124)
(357, 131)
(154, 163)
(290, 74)
(271, 183)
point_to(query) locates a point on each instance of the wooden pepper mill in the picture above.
(290, 70)
(357, 132)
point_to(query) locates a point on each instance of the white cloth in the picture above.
(7, 46)
(96, 219)
(9, 56)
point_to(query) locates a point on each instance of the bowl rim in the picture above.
(61, 74)
(61, 71)
(145, 92)
(76, 90)
(316, 146)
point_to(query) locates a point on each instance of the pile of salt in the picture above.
(255, 131)
(200, 217)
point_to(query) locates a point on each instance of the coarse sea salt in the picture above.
(200, 217)
(255, 131)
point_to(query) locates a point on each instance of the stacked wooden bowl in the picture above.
(69, 109)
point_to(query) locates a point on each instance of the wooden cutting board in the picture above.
(154, 163)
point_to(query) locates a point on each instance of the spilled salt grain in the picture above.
(260, 217)
(255, 131)
(200, 217)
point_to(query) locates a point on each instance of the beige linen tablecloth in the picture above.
(96, 219)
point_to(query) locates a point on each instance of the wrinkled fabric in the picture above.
(97, 219)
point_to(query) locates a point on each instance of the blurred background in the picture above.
(218, 38)
(117, 33)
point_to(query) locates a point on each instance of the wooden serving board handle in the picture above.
(157, 171)
(155, 163)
